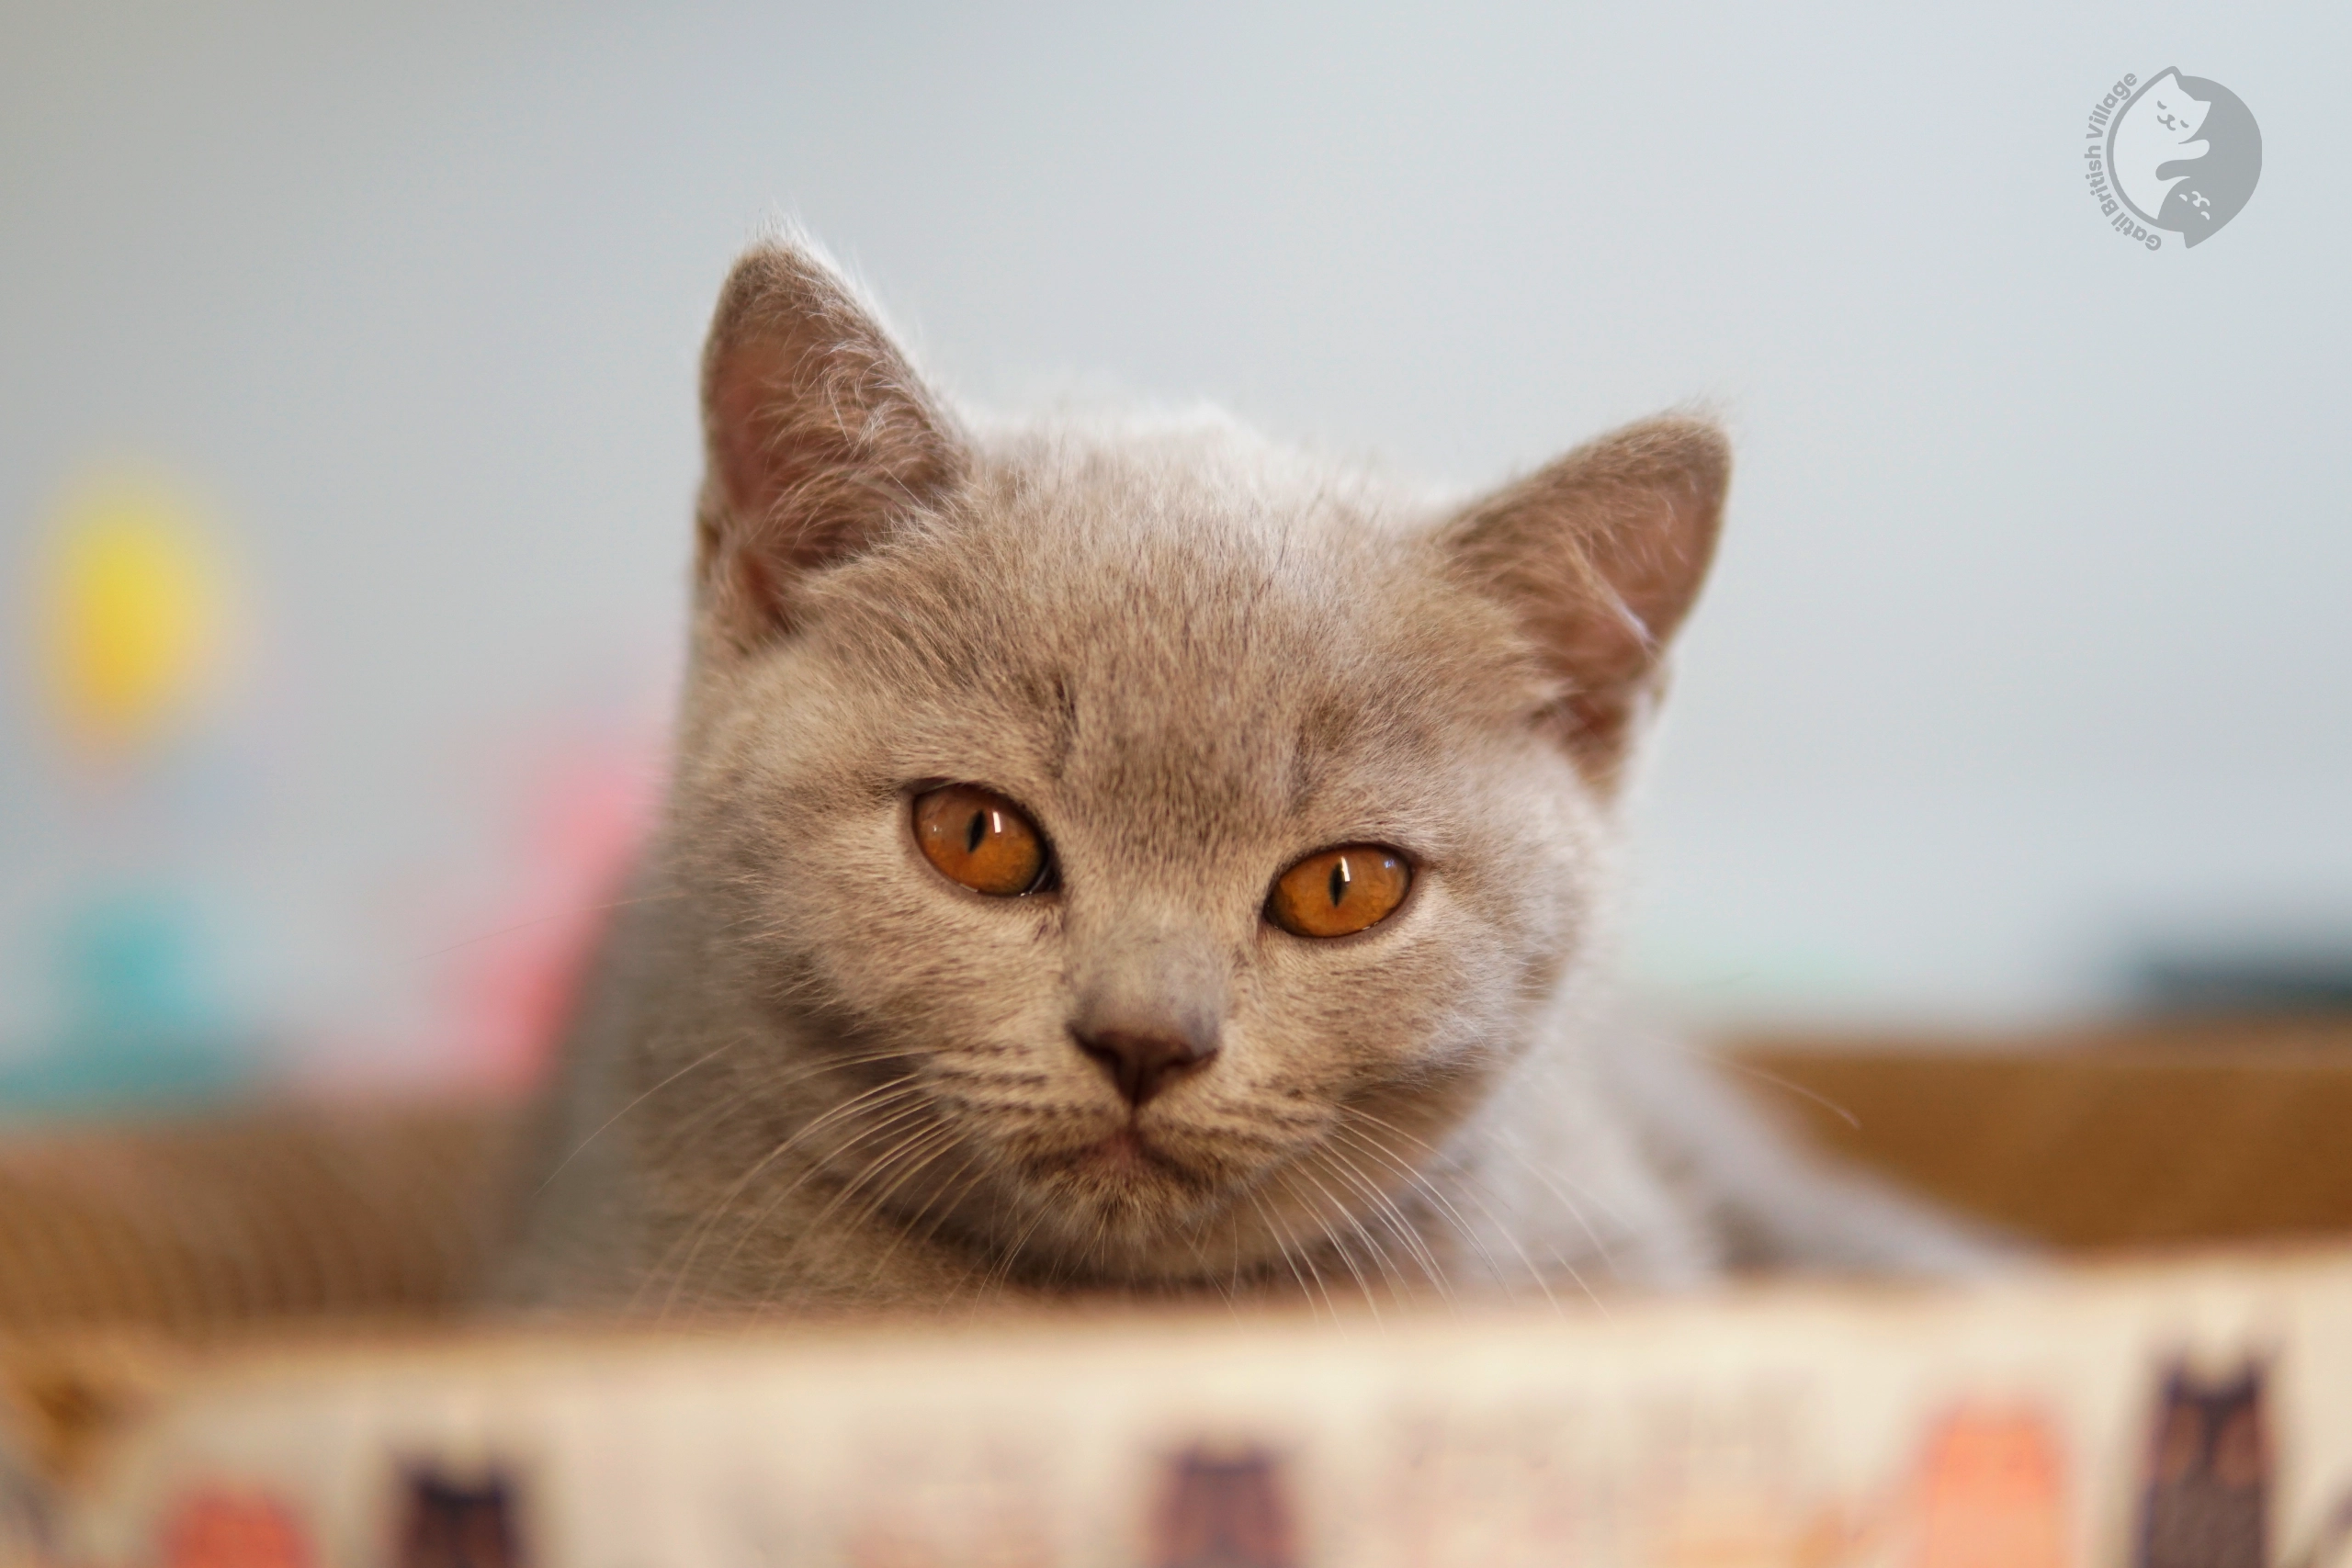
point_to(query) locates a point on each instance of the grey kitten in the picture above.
(1133, 856)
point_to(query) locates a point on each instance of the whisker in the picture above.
(935, 1138)
(1395, 1218)
(699, 1061)
(930, 1141)
(1284, 1245)
(1470, 1188)
(1419, 1180)
(1390, 1274)
(902, 1086)
(1765, 1076)
(1575, 1212)
(1324, 1225)
(909, 1106)
(933, 1229)
(999, 1278)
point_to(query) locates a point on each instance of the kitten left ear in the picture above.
(818, 433)
(1599, 555)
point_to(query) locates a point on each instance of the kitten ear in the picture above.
(1599, 555)
(817, 432)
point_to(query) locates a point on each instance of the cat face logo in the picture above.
(2182, 153)
(1223, 1510)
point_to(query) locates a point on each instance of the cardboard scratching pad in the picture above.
(291, 1213)
(2196, 1131)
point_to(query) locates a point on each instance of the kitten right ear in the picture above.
(817, 432)
(1599, 556)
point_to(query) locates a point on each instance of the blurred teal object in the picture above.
(144, 1025)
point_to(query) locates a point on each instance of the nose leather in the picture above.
(1149, 1005)
(1142, 1063)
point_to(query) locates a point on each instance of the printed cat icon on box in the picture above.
(1224, 1510)
(1992, 1493)
(2208, 1496)
(216, 1529)
(452, 1524)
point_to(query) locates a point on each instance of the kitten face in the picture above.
(1188, 679)
(1188, 662)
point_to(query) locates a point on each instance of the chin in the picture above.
(1129, 1205)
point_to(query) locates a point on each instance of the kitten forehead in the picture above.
(1181, 613)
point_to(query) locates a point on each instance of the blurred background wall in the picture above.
(357, 344)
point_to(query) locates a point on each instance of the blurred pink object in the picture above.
(588, 813)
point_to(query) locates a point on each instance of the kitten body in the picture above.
(813, 1070)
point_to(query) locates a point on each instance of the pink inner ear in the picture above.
(746, 393)
(1647, 566)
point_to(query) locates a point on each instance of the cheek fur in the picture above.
(895, 946)
(1333, 1020)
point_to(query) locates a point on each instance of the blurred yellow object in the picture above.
(134, 614)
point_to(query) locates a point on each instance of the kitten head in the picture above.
(1130, 847)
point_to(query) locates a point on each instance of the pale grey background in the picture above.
(2029, 640)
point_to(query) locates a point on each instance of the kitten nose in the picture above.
(1144, 1062)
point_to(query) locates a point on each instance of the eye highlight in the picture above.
(1340, 892)
(979, 839)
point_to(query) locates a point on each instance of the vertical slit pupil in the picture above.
(976, 832)
(1338, 880)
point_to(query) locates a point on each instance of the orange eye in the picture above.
(980, 840)
(1337, 892)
